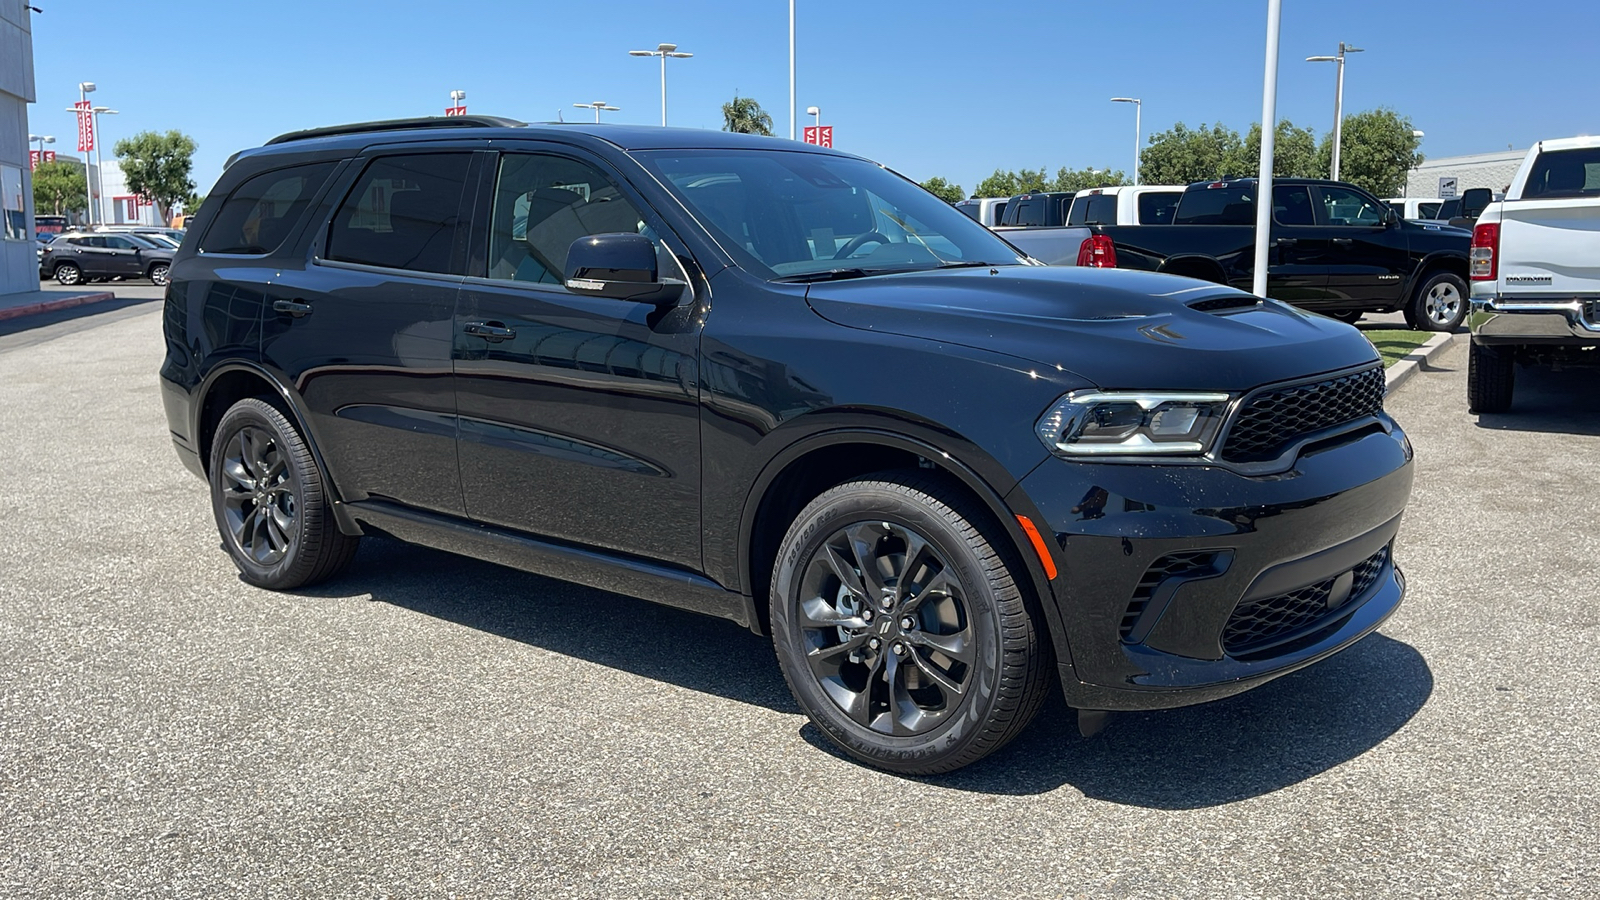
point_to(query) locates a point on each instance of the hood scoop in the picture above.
(1229, 301)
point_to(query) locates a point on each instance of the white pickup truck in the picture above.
(1535, 268)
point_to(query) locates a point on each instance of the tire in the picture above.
(1491, 378)
(1349, 318)
(271, 501)
(972, 661)
(1440, 303)
(68, 273)
(158, 274)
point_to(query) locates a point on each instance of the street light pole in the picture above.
(1338, 102)
(817, 112)
(84, 89)
(1138, 133)
(99, 155)
(458, 101)
(597, 106)
(663, 51)
(791, 70)
(1269, 114)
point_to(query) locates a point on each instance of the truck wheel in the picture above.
(271, 501)
(1440, 303)
(1491, 378)
(158, 274)
(1349, 318)
(68, 273)
(901, 626)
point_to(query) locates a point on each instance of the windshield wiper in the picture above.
(971, 264)
(826, 275)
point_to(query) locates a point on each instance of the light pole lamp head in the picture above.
(104, 110)
(813, 111)
(1322, 59)
(1126, 100)
(666, 48)
(680, 55)
(1348, 48)
(458, 95)
(86, 86)
(641, 53)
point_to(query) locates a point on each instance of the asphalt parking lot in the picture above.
(432, 726)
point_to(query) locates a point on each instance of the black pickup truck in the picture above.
(1335, 249)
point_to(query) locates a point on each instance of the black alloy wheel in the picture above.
(159, 274)
(68, 273)
(270, 501)
(900, 628)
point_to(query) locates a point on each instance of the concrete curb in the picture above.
(1409, 364)
(52, 305)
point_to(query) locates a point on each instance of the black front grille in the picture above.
(1273, 419)
(1174, 565)
(1256, 623)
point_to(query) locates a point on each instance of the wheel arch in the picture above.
(818, 461)
(1194, 265)
(1432, 264)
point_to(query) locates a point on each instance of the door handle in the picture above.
(1343, 242)
(1286, 242)
(297, 308)
(493, 332)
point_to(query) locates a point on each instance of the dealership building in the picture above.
(1486, 170)
(19, 260)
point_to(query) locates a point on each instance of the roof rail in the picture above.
(399, 125)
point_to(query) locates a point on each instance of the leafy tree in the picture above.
(942, 189)
(1181, 155)
(191, 203)
(1294, 153)
(59, 187)
(158, 166)
(1005, 183)
(1079, 179)
(1376, 150)
(745, 116)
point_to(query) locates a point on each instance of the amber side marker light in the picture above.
(1039, 546)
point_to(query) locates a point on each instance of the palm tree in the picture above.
(745, 116)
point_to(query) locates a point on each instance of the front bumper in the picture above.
(1563, 321)
(1144, 634)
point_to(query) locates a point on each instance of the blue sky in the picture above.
(941, 87)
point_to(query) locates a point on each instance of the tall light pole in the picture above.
(663, 51)
(597, 106)
(41, 140)
(458, 100)
(1338, 102)
(1138, 110)
(1269, 114)
(99, 157)
(791, 70)
(817, 112)
(85, 88)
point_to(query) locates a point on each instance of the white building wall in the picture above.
(19, 259)
(1489, 170)
(117, 203)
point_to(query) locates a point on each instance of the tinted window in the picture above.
(1000, 211)
(1565, 173)
(786, 214)
(402, 213)
(1449, 209)
(970, 210)
(1342, 206)
(544, 203)
(1093, 209)
(1291, 205)
(1025, 212)
(121, 242)
(1217, 206)
(1427, 210)
(259, 213)
(1157, 207)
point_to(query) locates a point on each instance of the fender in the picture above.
(1415, 278)
(1196, 258)
(992, 498)
(297, 412)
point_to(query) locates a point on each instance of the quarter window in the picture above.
(1156, 207)
(1346, 207)
(259, 213)
(544, 203)
(1564, 173)
(1291, 205)
(403, 213)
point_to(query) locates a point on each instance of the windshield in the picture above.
(791, 215)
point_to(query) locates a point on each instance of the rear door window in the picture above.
(403, 213)
(1564, 173)
(1344, 207)
(1094, 209)
(1157, 207)
(1427, 210)
(259, 213)
(1291, 205)
(1217, 206)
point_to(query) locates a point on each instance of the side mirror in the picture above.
(620, 266)
(1474, 201)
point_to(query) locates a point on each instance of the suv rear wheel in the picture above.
(68, 273)
(271, 501)
(158, 274)
(900, 626)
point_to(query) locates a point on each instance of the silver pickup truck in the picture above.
(1535, 269)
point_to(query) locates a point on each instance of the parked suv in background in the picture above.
(1536, 272)
(79, 257)
(782, 385)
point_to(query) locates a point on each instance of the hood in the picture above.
(1114, 328)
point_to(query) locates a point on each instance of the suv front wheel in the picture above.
(901, 627)
(271, 501)
(68, 273)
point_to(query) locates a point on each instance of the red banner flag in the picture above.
(85, 126)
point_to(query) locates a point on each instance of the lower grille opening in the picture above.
(1174, 565)
(1257, 624)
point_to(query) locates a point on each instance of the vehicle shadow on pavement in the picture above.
(1562, 402)
(1250, 744)
(40, 320)
(693, 651)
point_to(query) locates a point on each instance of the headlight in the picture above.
(1132, 423)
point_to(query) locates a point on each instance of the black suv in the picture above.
(782, 385)
(79, 257)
